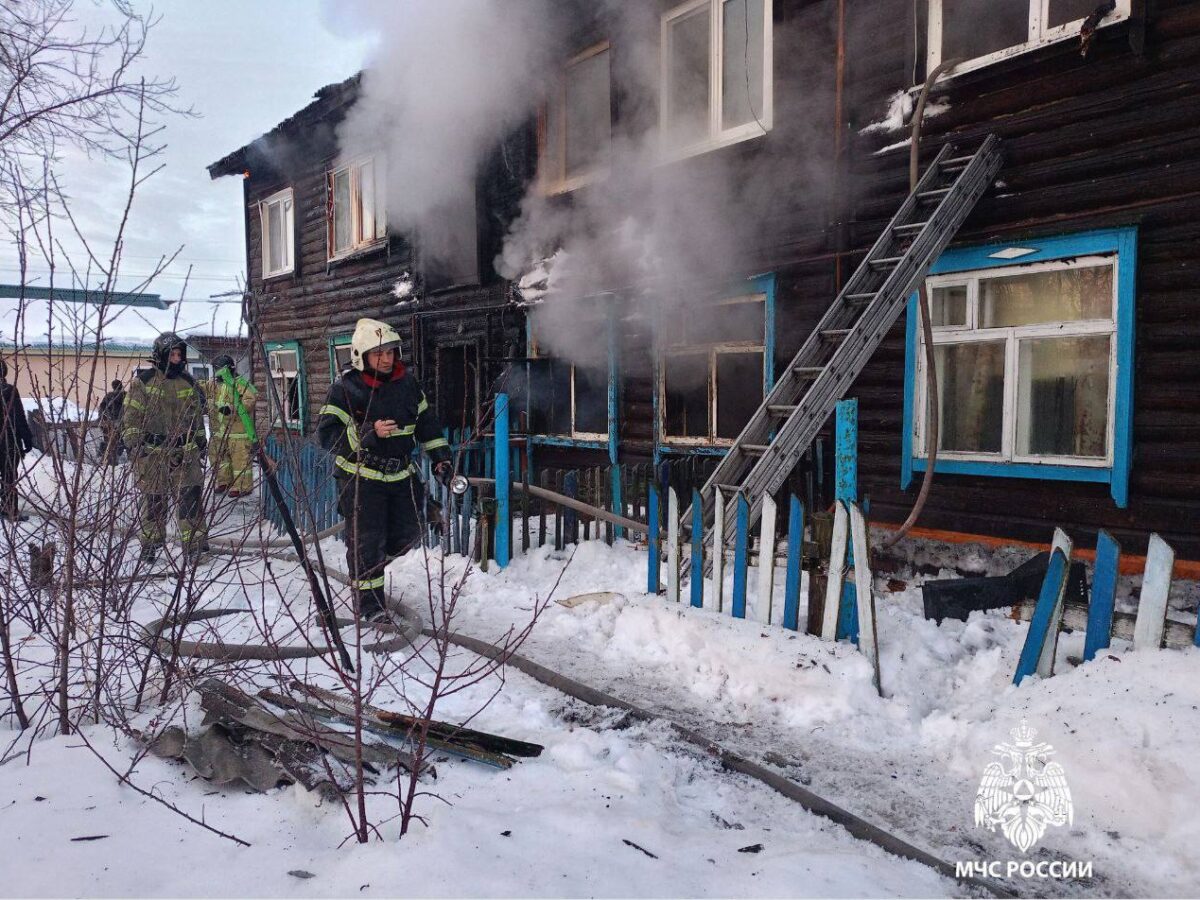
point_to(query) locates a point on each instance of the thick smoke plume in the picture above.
(448, 80)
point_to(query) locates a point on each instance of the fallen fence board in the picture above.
(1049, 603)
(837, 570)
(868, 641)
(1045, 665)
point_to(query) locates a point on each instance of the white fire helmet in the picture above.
(371, 334)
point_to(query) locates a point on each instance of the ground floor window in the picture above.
(287, 394)
(1033, 360)
(712, 369)
(339, 356)
(563, 388)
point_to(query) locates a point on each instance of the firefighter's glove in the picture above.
(201, 443)
(225, 410)
(154, 440)
(443, 472)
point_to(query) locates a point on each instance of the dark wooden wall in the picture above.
(1105, 140)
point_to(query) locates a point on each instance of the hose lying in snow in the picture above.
(570, 503)
(399, 633)
(855, 825)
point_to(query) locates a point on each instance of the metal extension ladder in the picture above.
(838, 349)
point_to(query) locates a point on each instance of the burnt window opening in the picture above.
(458, 385)
(712, 370)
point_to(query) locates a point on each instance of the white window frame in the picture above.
(357, 242)
(1039, 34)
(283, 415)
(712, 350)
(716, 137)
(1011, 337)
(555, 180)
(287, 202)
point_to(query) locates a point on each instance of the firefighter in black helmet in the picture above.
(374, 416)
(162, 425)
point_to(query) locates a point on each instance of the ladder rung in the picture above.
(808, 371)
(859, 298)
(780, 409)
(835, 334)
(755, 449)
(729, 487)
(957, 162)
(886, 261)
(911, 226)
(935, 194)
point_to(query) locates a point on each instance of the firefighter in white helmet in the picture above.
(374, 416)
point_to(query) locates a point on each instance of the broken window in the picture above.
(287, 390)
(356, 212)
(568, 394)
(716, 73)
(277, 217)
(577, 124)
(1024, 360)
(978, 32)
(457, 385)
(712, 374)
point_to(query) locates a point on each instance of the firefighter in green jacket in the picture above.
(162, 425)
(229, 451)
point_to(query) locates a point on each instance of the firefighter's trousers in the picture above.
(382, 521)
(232, 462)
(166, 476)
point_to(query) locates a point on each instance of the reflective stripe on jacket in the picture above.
(346, 426)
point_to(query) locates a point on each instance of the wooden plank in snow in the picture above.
(791, 592)
(766, 560)
(1049, 599)
(1156, 587)
(1104, 593)
(868, 636)
(837, 569)
(672, 546)
(1045, 666)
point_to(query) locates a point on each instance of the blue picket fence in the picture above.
(305, 475)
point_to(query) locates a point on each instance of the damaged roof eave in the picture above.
(326, 100)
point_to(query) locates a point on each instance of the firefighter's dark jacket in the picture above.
(346, 427)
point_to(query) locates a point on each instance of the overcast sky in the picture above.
(244, 66)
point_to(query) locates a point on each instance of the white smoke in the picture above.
(449, 79)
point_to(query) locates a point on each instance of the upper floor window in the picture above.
(356, 212)
(277, 215)
(716, 74)
(577, 123)
(984, 31)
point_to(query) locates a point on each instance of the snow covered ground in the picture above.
(1125, 727)
(582, 819)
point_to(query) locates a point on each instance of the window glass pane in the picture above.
(688, 77)
(971, 396)
(1065, 295)
(366, 195)
(723, 323)
(739, 390)
(283, 361)
(741, 62)
(588, 114)
(685, 379)
(292, 399)
(289, 228)
(1063, 396)
(591, 399)
(274, 237)
(972, 28)
(342, 235)
(341, 356)
(1064, 11)
(948, 306)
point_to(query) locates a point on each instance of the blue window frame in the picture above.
(1030, 377)
(708, 356)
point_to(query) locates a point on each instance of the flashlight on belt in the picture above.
(459, 485)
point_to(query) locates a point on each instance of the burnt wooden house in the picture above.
(1064, 312)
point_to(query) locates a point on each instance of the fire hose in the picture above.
(931, 387)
